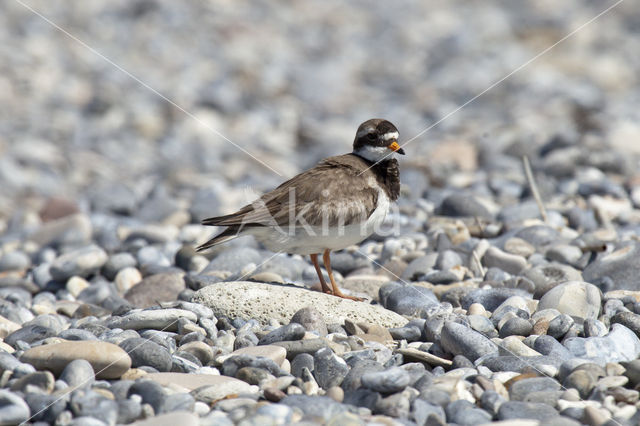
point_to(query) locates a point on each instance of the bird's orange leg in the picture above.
(323, 283)
(336, 290)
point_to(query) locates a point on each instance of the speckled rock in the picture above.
(248, 300)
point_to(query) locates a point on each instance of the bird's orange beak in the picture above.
(395, 147)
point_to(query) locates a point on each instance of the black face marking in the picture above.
(372, 132)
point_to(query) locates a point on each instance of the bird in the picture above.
(337, 203)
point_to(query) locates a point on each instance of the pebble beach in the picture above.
(504, 287)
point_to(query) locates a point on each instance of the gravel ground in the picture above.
(120, 130)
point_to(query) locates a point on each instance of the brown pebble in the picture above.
(336, 393)
(540, 327)
(273, 394)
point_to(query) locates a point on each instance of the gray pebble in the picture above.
(92, 404)
(301, 361)
(78, 373)
(81, 262)
(13, 409)
(117, 262)
(463, 205)
(311, 319)
(559, 326)
(329, 369)
(522, 388)
(45, 407)
(621, 267)
(389, 381)
(29, 334)
(526, 410)
(516, 326)
(14, 261)
(146, 353)
(292, 331)
(464, 413)
(410, 300)
(315, 406)
(459, 339)
(629, 320)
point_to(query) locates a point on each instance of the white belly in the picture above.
(315, 239)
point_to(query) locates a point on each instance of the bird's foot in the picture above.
(345, 296)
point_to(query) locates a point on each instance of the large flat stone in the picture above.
(109, 361)
(268, 301)
(194, 381)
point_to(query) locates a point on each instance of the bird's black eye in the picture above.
(371, 136)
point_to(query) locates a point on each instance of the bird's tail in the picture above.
(228, 234)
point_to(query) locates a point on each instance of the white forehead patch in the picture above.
(364, 131)
(390, 135)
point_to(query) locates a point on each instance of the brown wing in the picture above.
(332, 193)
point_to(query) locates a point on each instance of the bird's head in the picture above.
(376, 140)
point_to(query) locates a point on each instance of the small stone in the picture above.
(126, 278)
(315, 406)
(516, 326)
(200, 350)
(308, 346)
(182, 418)
(92, 404)
(71, 230)
(336, 393)
(564, 253)
(156, 319)
(29, 334)
(273, 394)
(629, 320)
(311, 319)
(163, 287)
(292, 331)
(81, 262)
(40, 380)
(14, 261)
(108, 360)
(520, 389)
(44, 407)
(547, 276)
(620, 344)
(395, 405)
(75, 285)
(526, 410)
(491, 298)
(144, 352)
(78, 374)
(408, 333)
(389, 381)
(511, 263)
(13, 409)
(559, 326)
(463, 412)
(253, 375)
(463, 205)
(622, 267)
(476, 309)
(519, 247)
(410, 300)
(329, 369)
(578, 299)
(224, 387)
(273, 352)
(459, 339)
